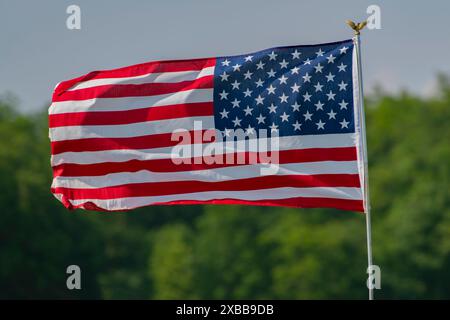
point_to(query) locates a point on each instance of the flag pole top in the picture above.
(357, 27)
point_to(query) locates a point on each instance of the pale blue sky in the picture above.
(37, 50)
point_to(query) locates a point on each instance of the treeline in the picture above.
(236, 251)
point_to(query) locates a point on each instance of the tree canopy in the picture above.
(236, 252)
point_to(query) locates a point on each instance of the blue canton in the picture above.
(300, 90)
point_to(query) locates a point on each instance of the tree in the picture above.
(237, 251)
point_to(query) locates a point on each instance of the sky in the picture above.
(37, 50)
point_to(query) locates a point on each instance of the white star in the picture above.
(297, 125)
(249, 130)
(273, 127)
(224, 95)
(224, 113)
(296, 54)
(273, 108)
(320, 53)
(330, 77)
(237, 122)
(260, 65)
(259, 83)
(284, 117)
(224, 76)
(307, 61)
(342, 86)
(295, 106)
(295, 88)
(283, 79)
(295, 70)
(307, 115)
(319, 105)
(248, 111)
(227, 132)
(330, 95)
(318, 68)
(272, 56)
(247, 75)
(331, 59)
(261, 118)
(318, 87)
(283, 98)
(307, 97)
(343, 104)
(237, 67)
(248, 58)
(306, 78)
(344, 124)
(332, 114)
(259, 100)
(320, 125)
(271, 89)
(225, 63)
(342, 67)
(235, 84)
(283, 64)
(235, 103)
(247, 93)
(343, 49)
(271, 73)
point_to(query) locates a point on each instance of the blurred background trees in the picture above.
(235, 251)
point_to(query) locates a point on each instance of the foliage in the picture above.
(236, 251)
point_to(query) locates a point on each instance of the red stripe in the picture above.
(100, 144)
(179, 187)
(134, 90)
(138, 70)
(167, 165)
(298, 202)
(131, 116)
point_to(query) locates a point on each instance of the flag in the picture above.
(277, 127)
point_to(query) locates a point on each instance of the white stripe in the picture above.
(131, 103)
(128, 130)
(163, 77)
(210, 175)
(262, 194)
(286, 143)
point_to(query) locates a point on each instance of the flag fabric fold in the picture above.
(277, 127)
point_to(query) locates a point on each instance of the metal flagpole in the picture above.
(357, 28)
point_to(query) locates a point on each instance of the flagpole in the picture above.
(357, 28)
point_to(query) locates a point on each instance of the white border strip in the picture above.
(356, 109)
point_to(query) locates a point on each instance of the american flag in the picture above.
(112, 132)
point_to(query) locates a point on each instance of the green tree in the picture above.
(237, 251)
(171, 264)
(38, 239)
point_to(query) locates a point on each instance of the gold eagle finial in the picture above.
(357, 27)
